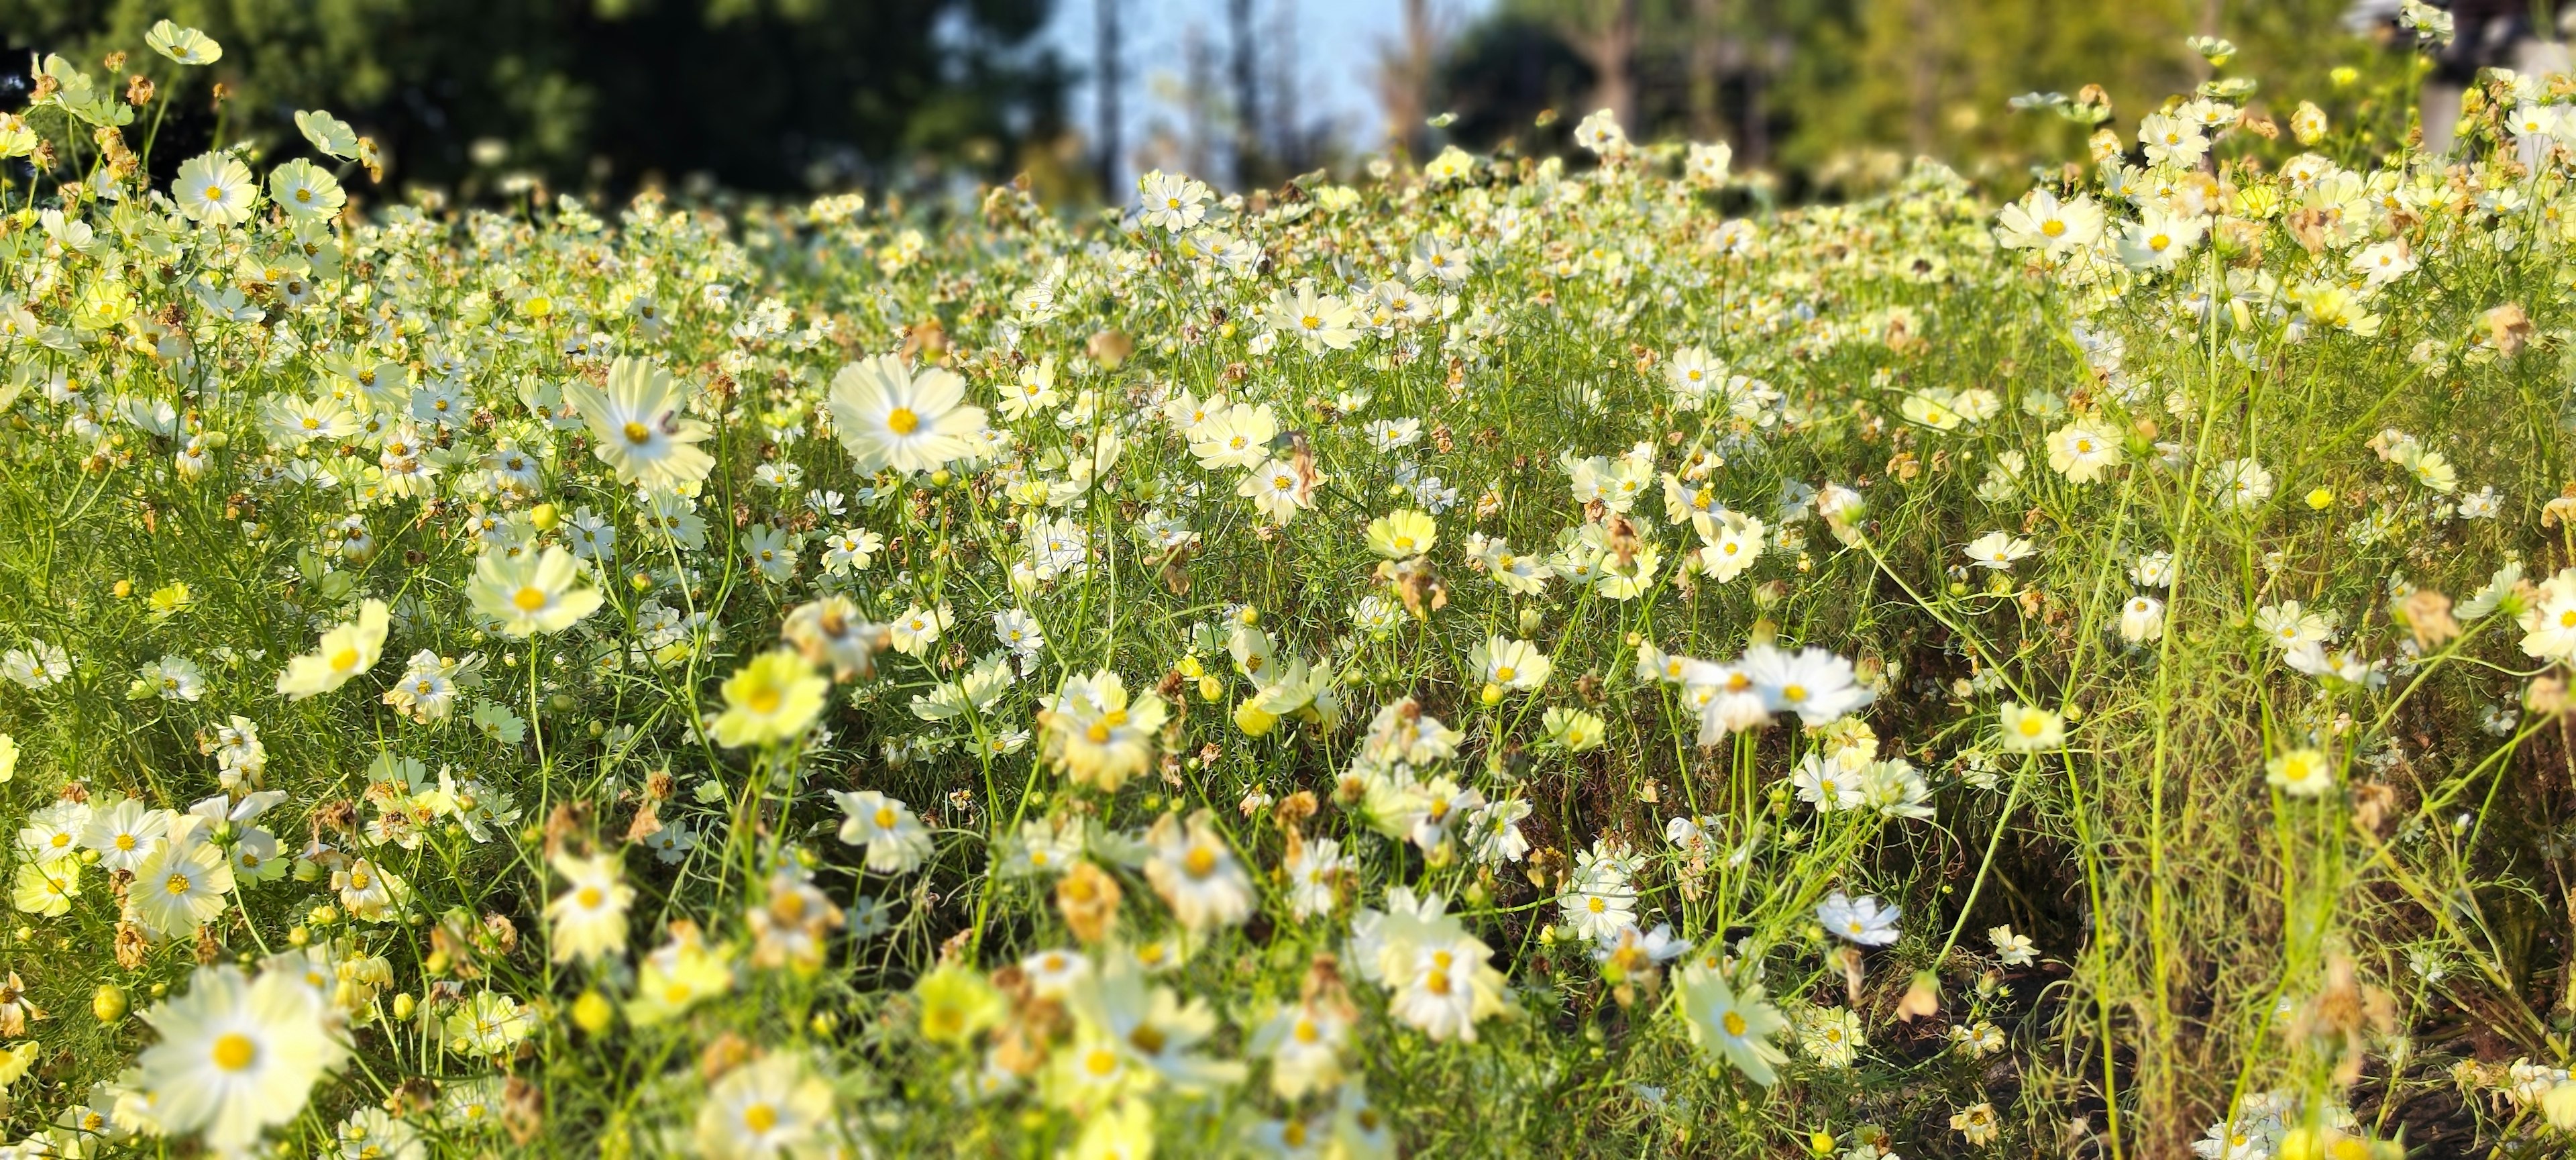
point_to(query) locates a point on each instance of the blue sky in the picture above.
(1336, 50)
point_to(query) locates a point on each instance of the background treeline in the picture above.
(789, 96)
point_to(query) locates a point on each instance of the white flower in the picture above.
(889, 416)
(236, 1056)
(2015, 950)
(184, 45)
(1998, 550)
(1197, 873)
(588, 920)
(216, 188)
(2549, 625)
(897, 842)
(1865, 920)
(772, 1107)
(346, 651)
(637, 427)
(2142, 619)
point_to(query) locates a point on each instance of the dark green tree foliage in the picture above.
(1826, 91)
(770, 95)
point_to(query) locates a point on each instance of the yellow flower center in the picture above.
(234, 1051)
(764, 700)
(638, 433)
(178, 884)
(760, 1118)
(1734, 1023)
(344, 660)
(590, 897)
(902, 421)
(885, 817)
(1101, 1062)
(2053, 227)
(529, 598)
(2032, 725)
(125, 842)
(1147, 1038)
(1505, 673)
(1199, 862)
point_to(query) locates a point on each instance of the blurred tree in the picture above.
(770, 95)
(1831, 91)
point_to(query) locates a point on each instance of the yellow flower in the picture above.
(1401, 535)
(772, 699)
(956, 1004)
(346, 651)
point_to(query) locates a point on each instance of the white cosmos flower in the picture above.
(216, 188)
(306, 190)
(345, 652)
(236, 1056)
(890, 416)
(639, 428)
(1998, 550)
(1864, 920)
(531, 593)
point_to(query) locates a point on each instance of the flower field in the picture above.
(1495, 657)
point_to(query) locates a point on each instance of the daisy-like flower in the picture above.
(772, 1107)
(678, 975)
(918, 628)
(1400, 535)
(1736, 1027)
(347, 650)
(2029, 728)
(1197, 873)
(125, 833)
(1171, 201)
(2081, 452)
(1832, 1036)
(638, 428)
(216, 189)
(1977, 1123)
(1998, 550)
(771, 700)
(890, 416)
(38, 666)
(1097, 735)
(2303, 772)
(2039, 221)
(1816, 685)
(1278, 490)
(1320, 321)
(588, 920)
(897, 842)
(2014, 950)
(181, 888)
(306, 190)
(1863, 921)
(1509, 664)
(185, 45)
(2549, 623)
(530, 594)
(236, 1056)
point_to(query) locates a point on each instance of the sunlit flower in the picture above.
(889, 415)
(531, 593)
(347, 650)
